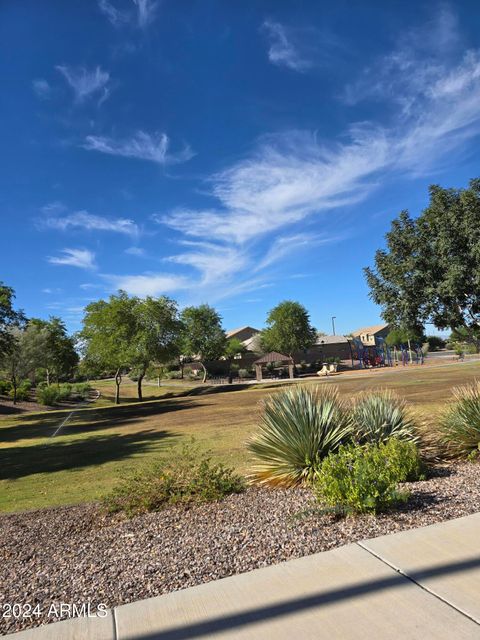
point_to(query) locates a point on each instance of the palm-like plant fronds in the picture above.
(460, 425)
(299, 427)
(380, 415)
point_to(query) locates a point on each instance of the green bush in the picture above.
(460, 424)
(299, 427)
(47, 395)
(244, 373)
(64, 391)
(5, 386)
(365, 478)
(187, 477)
(380, 415)
(22, 395)
(82, 389)
(173, 375)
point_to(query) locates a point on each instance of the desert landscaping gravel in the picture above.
(79, 554)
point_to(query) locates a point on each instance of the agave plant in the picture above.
(299, 427)
(380, 415)
(460, 425)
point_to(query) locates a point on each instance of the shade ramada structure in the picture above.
(273, 356)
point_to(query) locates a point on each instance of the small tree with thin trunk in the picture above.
(288, 329)
(202, 335)
(233, 348)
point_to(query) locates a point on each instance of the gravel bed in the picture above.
(77, 554)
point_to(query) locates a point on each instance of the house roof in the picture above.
(233, 332)
(331, 340)
(376, 328)
(273, 356)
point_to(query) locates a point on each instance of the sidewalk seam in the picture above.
(405, 575)
(115, 625)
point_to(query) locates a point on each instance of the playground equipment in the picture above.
(381, 355)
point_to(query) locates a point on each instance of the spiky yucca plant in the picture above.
(299, 427)
(380, 415)
(460, 424)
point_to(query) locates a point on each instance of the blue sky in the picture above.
(235, 153)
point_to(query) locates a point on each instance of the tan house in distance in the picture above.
(368, 334)
(247, 336)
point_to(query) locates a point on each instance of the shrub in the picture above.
(22, 395)
(187, 477)
(173, 375)
(460, 424)
(380, 415)
(299, 427)
(244, 373)
(82, 389)
(64, 391)
(47, 395)
(435, 343)
(365, 478)
(5, 386)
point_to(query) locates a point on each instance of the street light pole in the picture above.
(333, 324)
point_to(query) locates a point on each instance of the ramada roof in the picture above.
(370, 330)
(273, 356)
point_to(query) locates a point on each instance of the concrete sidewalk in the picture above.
(418, 584)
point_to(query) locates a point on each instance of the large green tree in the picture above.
(20, 358)
(59, 356)
(429, 271)
(9, 317)
(157, 333)
(288, 329)
(107, 336)
(202, 334)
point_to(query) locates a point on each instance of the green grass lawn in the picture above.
(101, 443)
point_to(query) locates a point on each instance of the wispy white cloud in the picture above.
(147, 284)
(81, 258)
(146, 11)
(135, 251)
(143, 146)
(42, 88)
(51, 291)
(89, 222)
(86, 83)
(294, 175)
(260, 205)
(289, 177)
(282, 51)
(115, 16)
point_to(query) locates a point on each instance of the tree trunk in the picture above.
(118, 382)
(14, 382)
(181, 369)
(158, 381)
(204, 372)
(139, 385)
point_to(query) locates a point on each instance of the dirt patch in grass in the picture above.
(77, 554)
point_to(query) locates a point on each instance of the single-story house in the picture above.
(326, 347)
(368, 334)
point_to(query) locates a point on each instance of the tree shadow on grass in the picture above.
(88, 420)
(60, 455)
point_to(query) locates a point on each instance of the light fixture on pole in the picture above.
(333, 324)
